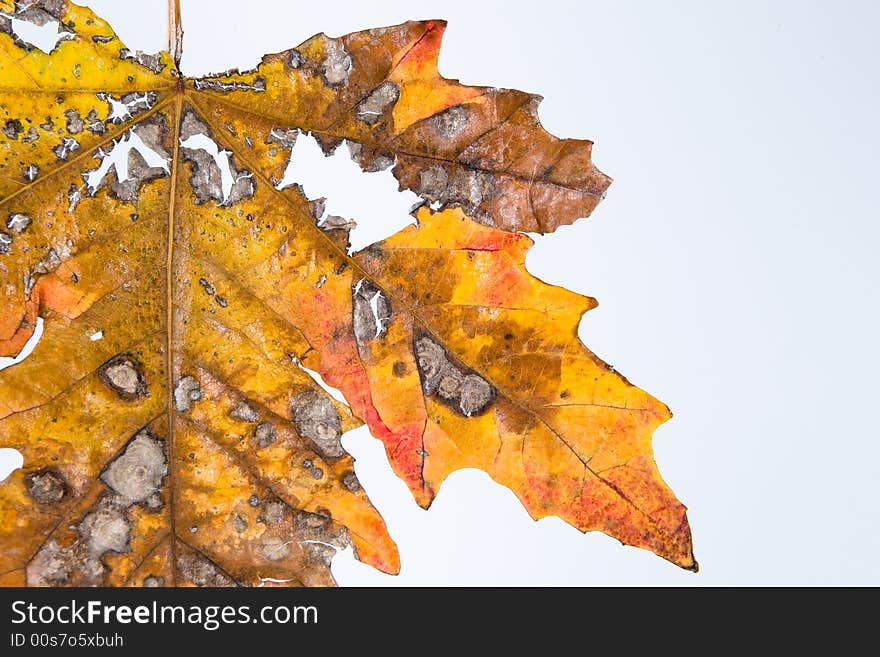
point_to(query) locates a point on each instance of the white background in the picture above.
(734, 259)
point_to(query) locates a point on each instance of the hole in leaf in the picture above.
(7, 361)
(10, 460)
(45, 36)
(371, 199)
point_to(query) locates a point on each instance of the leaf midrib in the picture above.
(169, 324)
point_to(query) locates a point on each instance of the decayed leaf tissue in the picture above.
(173, 428)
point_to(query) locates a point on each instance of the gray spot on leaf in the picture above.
(152, 62)
(466, 392)
(186, 392)
(316, 419)
(243, 412)
(373, 106)
(201, 571)
(450, 122)
(336, 66)
(214, 174)
(137, 473)
(106, 529)
(46, 486)
(12, 128)
(371, 312)
(265, 434)
(65, 148)
(74, 122)
(30, 172)
(124, 375)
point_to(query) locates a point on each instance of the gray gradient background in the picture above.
(734, 261)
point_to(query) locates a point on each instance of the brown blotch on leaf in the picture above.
(124, 375)
(319, 535)
(95, 125)
(154, 502)
(65, 148)
(370, 158)
(295, 58)
(274, 548)
(284, 137)
(333, 222)
(328, 143)
(53, 565)
(30, 172)
(152, 132)
(40, 13)
(46, 486)
(207, 287)
(458, 187)
(474, 394)
(307, 521)
(259, 85)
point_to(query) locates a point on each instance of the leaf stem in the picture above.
(175, 32)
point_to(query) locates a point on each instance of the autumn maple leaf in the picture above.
(172, 426)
